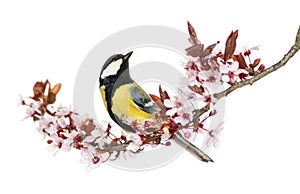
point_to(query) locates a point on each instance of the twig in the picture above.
(197, 114)
(201, 111)
(265, 72)
(177, 137)
(115, 147)
(194, 150)
(190, 147)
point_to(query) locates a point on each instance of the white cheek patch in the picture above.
(112, 68)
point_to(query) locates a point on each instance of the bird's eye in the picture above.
(115, 59)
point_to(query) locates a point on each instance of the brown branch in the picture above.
(177, 138)
(150, 139)
(197, 114)
(115, 147)
(293, 50)
(201, 111)
(190, 147)
(194, 150)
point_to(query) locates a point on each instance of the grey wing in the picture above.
(141, 99)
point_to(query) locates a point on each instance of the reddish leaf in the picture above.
(261, 67)
(197, 89)
(38, 90)
(195, 50)
(35, 118)
(51, 98)
(193, 36)
(159, 103)
(155, 98)
(230, 45)
(40, 93)
(55, 89)
(166, 95)
(256, 62)
(163, 94)
(208, 49)
(241, 60)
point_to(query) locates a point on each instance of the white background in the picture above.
(259, 151)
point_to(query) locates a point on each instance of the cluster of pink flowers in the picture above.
(207, 70)
(66, 130)
(187, 112)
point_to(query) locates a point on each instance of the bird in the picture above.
(125, 100)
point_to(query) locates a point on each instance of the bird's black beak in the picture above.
(126, 57)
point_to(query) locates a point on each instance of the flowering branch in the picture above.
(178, 117)
(201, 111)
(178, 138)
(293, 50)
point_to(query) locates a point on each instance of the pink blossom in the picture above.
(164, 138)
(135, 142)
(174, 105)
(21, 100)
(104, 126)
(30, 111)
(44, 123)
(187, 96)
(213, 137)
(62, 111)
(77, 119)
(181, 111)
(97, 136)
(90, 157)
(61, 122)
(183, 118)
(194, 78)
(211, 76)
(32, 108)
(230, 72)
(193, 73)
(192, 65)
(63, 142)
(187, 135)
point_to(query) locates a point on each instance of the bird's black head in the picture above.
(114, 67)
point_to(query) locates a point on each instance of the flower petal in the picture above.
(185, 121)
(225, 78)
(223, 68)
(169, 103)
(171, 112)
(181, 120)
(235, 66)
(89, 139)
(96, 133)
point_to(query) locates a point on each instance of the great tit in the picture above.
(125, 100)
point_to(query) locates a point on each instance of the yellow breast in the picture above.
(123, 106)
